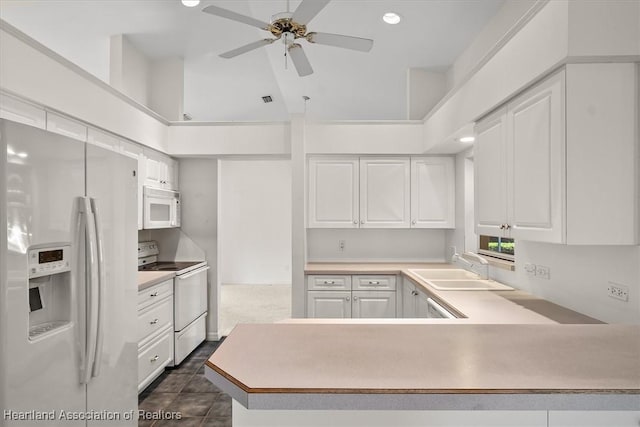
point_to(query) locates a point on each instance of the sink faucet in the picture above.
(480, 266)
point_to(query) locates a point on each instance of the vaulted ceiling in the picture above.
(345, 85)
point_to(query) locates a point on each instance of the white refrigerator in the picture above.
(68, 290)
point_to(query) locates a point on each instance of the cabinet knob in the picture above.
(154, 358)
(501, 226)
(362, 221)
(507, 226)
(414, 293)
(154, 321)
(355, 221)
(413, 222)
(355, 298)
(348, 299)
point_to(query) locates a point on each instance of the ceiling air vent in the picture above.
(267, 99)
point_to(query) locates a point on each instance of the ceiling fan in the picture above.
(291, 27)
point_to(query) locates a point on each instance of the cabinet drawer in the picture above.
(154, 293)
(374, 282)
(189, 338)
(332, 283)
(156, 317)
(155, 357)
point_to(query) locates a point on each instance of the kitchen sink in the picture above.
(443, 274)
(456, 279)
(468, 285)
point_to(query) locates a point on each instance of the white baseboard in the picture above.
(213, 336)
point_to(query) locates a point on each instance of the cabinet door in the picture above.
(422, 305)
(21, 112)
(536, 192)
(329, 304)
(374, 304)
(432, 192)
(333, 193)
(136, 152)
(153, 170)
(103, 140)
(409, 294)
(171, 181)
(491, 174)
(66, 127)
(385, 197)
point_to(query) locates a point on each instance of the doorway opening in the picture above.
(255, 242)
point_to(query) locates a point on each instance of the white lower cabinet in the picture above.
(329, 304)
(155, 331)
(357, 296)
(416, 303)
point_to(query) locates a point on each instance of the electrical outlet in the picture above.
(617, 291)
(530, 269)
(341, 244)
(543, 272)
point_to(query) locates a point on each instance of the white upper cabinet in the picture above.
(67, 127)
(432, 192)
(18, 111)
(333, 193)
(136, 151)
(563, 170)
(519, 167)
(536, 188)
(102, 139)
(385, 197)
(160, 171)
(491, 174)
(381, 192)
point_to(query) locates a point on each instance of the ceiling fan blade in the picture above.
(337, 40)
(224, 13)
(246, 48)
(307, 10)
(299, 59)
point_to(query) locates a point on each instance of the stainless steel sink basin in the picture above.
(456, 279)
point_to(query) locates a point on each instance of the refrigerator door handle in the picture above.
(91, 282)
(101, 289)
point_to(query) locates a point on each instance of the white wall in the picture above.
(166, 87)
(580, 276)
(129, 69)
(255, 233)
(35, 73)
(371, 245)
(424, 90)
(508, 15)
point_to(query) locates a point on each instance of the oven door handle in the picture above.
(193, 273)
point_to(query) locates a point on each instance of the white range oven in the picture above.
(189, 297)
(161, 208)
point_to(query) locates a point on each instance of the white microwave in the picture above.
(161, 208)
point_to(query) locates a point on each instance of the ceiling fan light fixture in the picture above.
(391, 18)
(191, 3)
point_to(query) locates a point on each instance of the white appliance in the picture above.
(161, 208)
(189, 297)
(68, 281)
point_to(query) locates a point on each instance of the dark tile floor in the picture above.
(185, 390)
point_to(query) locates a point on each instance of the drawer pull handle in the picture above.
(155, 294)
(329, 282)
(371, 282)
(154, 321)
(154, 358)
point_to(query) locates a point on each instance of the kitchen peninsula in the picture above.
(511, 352)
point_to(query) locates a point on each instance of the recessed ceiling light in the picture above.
(191, 3)
(391, 18)
(467, 139)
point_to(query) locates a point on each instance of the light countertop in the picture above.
(146, 279)
(513, 351)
